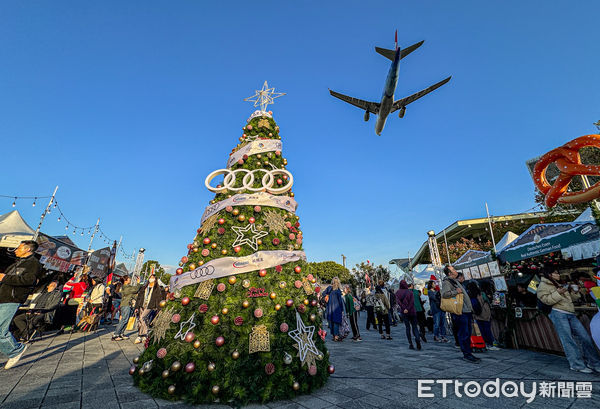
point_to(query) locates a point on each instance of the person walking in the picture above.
(406, 304)
(147, 301)
(370, 307)
(420, 311)
(128, 295)
(482, 313)
(382, 308)
(439, 324)
(392, 297)
(333, 296)
(351, 313)
(16, 284)
(451, 287)
(582, 355)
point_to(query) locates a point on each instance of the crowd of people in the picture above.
(32, 301)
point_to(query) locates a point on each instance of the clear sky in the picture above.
(127, 106)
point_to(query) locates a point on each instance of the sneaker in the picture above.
(124, 337)
(13, 361)
(117, 338)
(471, 358)
(584, 370)
(493, 348)
(359, 339)
(138, 340)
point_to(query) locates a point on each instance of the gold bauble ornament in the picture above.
(213, 245)
(224, 251)
(215, 390)
(259, 156)
(165, 374)
(235, 354)
(201, 262)
(273, 296)
(197, 344)
(162, 304)
(192, 266)
(245, 303)
(313, 317)
(305, 301)
(211, 367)
(277, 307)
(171, 390)
(296, 386)
(235, 212)
(246, 283)
(282, 284)
(259, 242)
(232, 280)
(241, 217)
(225, 310)
(291, 194)
(195, 250)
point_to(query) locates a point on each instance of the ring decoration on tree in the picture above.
(267, 181)
(568, 162)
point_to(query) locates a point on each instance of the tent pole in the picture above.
(447, 251)
(37, 231)
(490, 223)
(93, 234)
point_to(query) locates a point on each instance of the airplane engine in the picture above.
(402, 112)
(366, 116)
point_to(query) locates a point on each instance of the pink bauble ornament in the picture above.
(292, 236)
(301, 308)
(278, 269)
(298, 269)
(203, 308)
(221, 231)
(237, 249)
(251, 220)
(229, 209)
(310, 277)
(257, 209)
(221, 287)
(284, 327)
(189, 337)
(262, 273)
(240, 161)
(214, 320)
(205, 252)
(176, 318)
(258, 312)
(219, 341)
(185, 301)
(179, 271)
(132, 369)
(289, 303)
(288, 224)
(313, 303)
(221, 221)
(238, 320)
(184, 259)
(276, 241)
(190, 367)
(249, 127)
(297, 283)
(312, 370)
(269, 368)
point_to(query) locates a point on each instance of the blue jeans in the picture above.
(8, 345)
(485, 327)
(567, 326)
(125, 315)
(439, 326)
(411, 321)
(463, 324)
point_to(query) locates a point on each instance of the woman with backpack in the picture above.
(370, 307)
(333, 297)
(351, 313)
(582, 358)
(482, 314)
(382, 307)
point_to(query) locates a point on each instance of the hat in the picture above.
(433, 278)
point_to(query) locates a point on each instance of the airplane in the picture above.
(387, 104)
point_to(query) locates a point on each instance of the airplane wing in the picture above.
(390, 54)
(372, 107)
(405, 101)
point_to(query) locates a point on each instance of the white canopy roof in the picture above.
(13, 229)
(585, 216)
(508, 238)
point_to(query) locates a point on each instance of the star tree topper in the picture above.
(265, 96)
(303, 335)
(251, 241)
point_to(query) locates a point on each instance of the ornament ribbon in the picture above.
(255, 199)
(259, 146)
(227, 266)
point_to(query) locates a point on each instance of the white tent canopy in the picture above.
(585, 216)
(508, 238)
(13, 229)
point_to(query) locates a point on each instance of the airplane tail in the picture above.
(396, 40)
(391, 54)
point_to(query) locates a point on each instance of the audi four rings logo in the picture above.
(202, 272)
(268, 179)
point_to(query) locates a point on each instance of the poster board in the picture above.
(467, 273)
(494, 269)
(484, 270)
(475, 273)
(500, 284)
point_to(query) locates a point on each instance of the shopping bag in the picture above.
(477, 341)
(130, 323)
(453, 305)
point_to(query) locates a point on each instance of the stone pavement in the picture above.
(89, 371)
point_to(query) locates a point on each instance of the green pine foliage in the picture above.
(241, 380)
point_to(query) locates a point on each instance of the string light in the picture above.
(34, 201)
(58, 218)
(14, 202)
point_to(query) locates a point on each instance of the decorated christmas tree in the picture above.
(241, 322)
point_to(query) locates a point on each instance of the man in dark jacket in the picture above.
(41, 311)
(16, 284)
(406, 305)
(129, 293)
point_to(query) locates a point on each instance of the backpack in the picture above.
(543, 307)
(379, 307)
(357, 304)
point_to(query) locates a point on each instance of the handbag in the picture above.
(453, 305)
(130, 323)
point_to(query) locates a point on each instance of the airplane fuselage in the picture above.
(387, 99)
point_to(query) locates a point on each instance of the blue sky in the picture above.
(127, 106)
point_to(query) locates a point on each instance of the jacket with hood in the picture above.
(405, 299)
(548, 294)
(382, 295)
(20, 280)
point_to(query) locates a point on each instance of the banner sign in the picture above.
(58, 255)
(98, 263)
(228, 266)
(545, 238)
(259, 146)
(254, 199)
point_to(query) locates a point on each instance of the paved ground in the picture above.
(90, 371)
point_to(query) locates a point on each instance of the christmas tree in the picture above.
(241, 323)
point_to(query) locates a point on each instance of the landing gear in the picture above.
(402, 112)
(367, 116)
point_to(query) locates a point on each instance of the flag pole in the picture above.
(93, 234)
(490, 223)
(37, 231)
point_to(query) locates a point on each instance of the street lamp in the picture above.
(343, 260)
